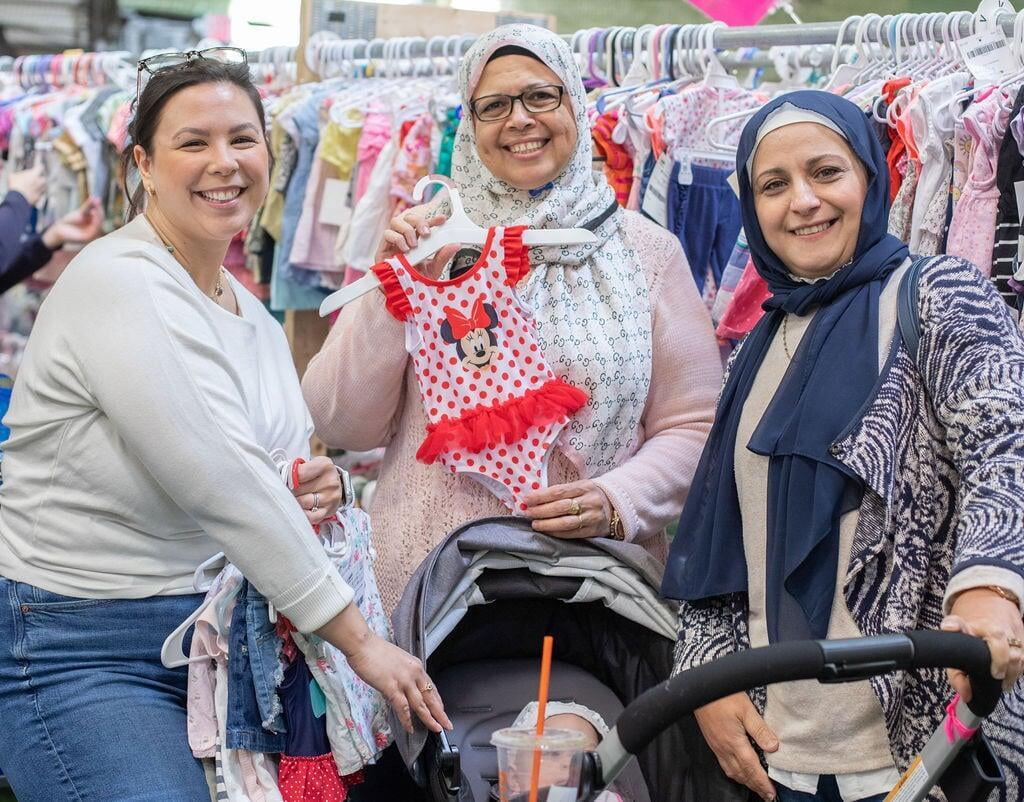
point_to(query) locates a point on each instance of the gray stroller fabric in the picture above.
(494, 587)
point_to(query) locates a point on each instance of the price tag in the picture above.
(913, 782)
(655, 203)
(334, 208)
(988, 57)
(685, 176)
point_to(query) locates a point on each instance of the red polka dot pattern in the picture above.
(471, 376)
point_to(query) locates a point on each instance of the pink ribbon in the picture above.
(955, 728)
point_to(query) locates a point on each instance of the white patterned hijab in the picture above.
(591, 301)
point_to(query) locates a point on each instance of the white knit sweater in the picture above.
(142, 421)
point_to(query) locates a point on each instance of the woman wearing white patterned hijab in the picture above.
(619, 318)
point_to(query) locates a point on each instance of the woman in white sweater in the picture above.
(152, 391)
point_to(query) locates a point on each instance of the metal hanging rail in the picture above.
(959, 24)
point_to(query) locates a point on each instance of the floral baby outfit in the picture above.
(494, 406)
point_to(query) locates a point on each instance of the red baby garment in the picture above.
(494, 407)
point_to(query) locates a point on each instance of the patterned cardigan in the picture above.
(940, 448)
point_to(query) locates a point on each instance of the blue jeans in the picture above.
(89, 712)
(828, 791)
(252, 677)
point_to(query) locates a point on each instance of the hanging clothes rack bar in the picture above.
(722, 38)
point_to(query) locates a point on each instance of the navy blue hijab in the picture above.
(829, 380)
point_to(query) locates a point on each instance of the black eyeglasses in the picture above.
(170, 61)
(536, 99)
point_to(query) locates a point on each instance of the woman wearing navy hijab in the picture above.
(848, 489)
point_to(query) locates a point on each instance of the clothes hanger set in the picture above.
(83, 69)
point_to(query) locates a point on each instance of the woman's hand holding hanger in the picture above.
(404, 232)
(318, 490)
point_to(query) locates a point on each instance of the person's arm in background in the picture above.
(25, 188)
(22, 256)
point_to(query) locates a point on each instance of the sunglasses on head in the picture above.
(169, 61)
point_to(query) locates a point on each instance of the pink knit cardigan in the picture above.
(362, 393)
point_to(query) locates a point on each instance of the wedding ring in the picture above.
(579, 521)
(427, 688)
(1015, 643)
(574, 507)
(316, 503)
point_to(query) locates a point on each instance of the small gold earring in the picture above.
(150, 190)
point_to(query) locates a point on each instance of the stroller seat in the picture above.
(485, 695)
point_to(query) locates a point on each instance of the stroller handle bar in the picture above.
(828, 661)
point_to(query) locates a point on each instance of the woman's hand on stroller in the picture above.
(728, 726)
(573, 510)
(986, 614)
(398, 675)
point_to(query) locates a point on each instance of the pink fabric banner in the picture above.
(735, 12)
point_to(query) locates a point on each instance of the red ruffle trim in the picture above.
(517, 257)
(484, 427)
(395, 297)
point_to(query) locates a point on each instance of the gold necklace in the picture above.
(218, 289)
(785, 340)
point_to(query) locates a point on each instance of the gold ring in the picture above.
(427, 688)
(1015, 643)
(579, 521)
(574, 507)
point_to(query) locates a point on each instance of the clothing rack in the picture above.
(868, 33)
(119, 67)
(890, 31)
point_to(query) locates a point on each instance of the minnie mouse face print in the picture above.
(472, 336)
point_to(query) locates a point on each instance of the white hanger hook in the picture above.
(420, 189)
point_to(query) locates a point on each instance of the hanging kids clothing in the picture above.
(494, 406)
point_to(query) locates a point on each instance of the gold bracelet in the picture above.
(1003, 593)
(616, 531)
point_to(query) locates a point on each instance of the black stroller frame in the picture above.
(966, 770)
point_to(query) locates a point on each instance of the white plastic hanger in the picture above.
(172, 653)
(458, 228)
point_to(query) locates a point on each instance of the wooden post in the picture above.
(305, 329)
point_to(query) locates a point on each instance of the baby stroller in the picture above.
(476, 611)
(960, 762)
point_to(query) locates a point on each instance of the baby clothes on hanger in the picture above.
(973, 227)
(1009, 173)
(375, 135)
(963, 149)
(932, 121)
(307, 772)
(617, 160)
(412, 161)
(702, 209)
(494, 407)
(358, 726)
(890, 89)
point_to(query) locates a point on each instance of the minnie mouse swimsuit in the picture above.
(494, 407)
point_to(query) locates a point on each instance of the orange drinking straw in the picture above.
(542, 703)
